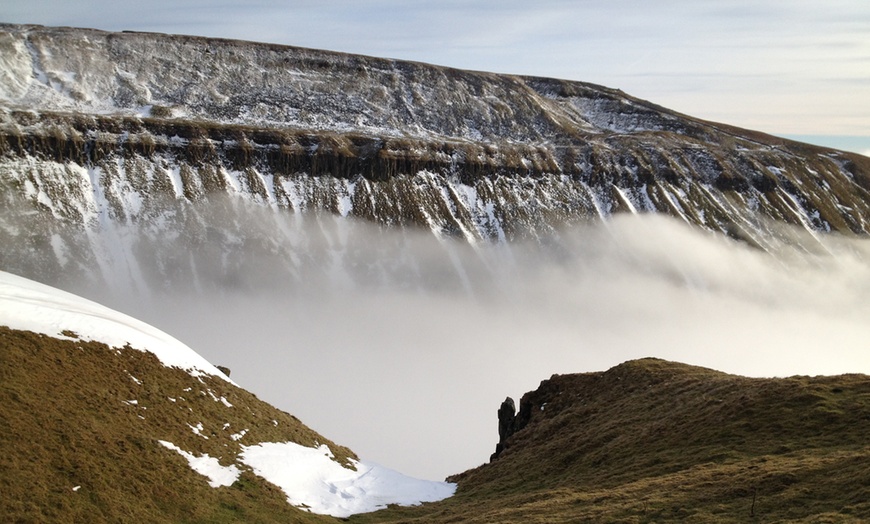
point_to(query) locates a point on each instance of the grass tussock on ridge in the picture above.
(654, 441)
(80, 430)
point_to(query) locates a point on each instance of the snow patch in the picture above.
(198, 429)
(311, 479)
(208, 466)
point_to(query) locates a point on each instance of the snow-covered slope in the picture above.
(311, 479)
(31, 306)
(105, 131)
(309, 476)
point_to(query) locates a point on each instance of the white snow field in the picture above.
(308, 476)
(31, 306)
(311, 479)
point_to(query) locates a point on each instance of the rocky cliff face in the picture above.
(153, 131)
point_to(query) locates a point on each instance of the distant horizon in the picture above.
(790, 69)
(855, 144)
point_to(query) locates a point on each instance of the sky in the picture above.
(795, 68)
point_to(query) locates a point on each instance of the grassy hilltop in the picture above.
(656, 441)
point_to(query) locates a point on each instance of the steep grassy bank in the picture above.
(80, 430)
(654, 441)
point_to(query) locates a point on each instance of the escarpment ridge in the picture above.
(99, 129)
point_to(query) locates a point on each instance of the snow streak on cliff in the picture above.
(100, 130)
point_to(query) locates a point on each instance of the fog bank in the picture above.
(402, 345)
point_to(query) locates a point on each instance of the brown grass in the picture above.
(647, 441)
(67, 422)
(653, 441)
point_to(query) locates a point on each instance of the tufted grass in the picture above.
(67, 423)
(647, 441)
(655, 441)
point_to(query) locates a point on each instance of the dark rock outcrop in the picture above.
(506, 420)
(512, 421)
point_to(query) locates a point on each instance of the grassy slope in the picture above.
(65, 422)
(647, 441)
(652, 441)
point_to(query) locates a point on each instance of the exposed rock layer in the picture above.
(99, 129)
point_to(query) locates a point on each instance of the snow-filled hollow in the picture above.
(312, 480)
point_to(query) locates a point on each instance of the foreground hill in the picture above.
(93, 432)
(100, 130)
(656, 441)
(101, 433)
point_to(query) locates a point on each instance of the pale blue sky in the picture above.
(788, 67)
